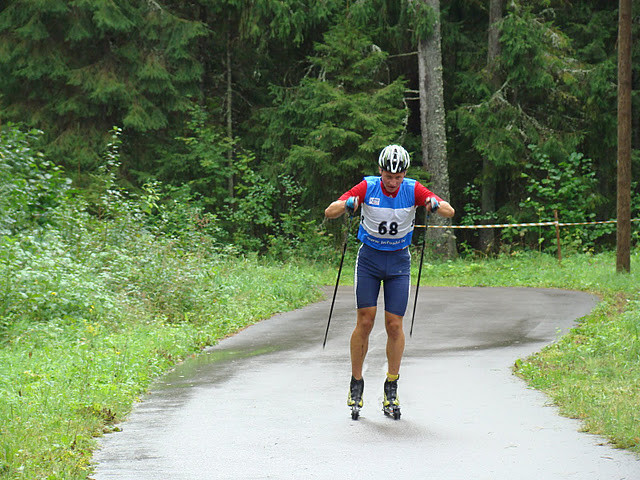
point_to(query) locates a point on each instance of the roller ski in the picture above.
(391, 404)
(355, 397)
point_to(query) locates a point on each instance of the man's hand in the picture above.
(432, 204)
(351, 205)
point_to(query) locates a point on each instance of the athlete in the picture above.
(388, 203)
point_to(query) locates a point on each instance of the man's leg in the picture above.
(360, 339)
(395, 341)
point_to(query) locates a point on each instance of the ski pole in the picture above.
(335, 290)
(424, 241)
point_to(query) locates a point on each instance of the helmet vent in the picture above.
(394, 159)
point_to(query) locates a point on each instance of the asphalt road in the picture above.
(270, 402)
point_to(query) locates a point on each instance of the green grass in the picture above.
(594, 372)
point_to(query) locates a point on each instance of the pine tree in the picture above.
(76, 68)
(250, 46)
(330, 127)
(489, 177)
(537, 102)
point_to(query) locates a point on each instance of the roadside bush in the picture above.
(266, 217)
(69, 256)
(568, 186)
(31, 187)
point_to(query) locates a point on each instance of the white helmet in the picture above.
(394, 159)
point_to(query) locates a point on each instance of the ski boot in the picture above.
(355, 397)
(391, 404)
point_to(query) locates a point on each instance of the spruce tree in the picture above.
(250, 45)
(76, 68)
(536, 102)
(329, 128)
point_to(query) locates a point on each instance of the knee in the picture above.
(394, 327)
(365, 326)
(365, 322)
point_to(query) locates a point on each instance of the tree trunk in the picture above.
(229, 115)
(623, 256)
(432, 125)
(488, 185)
(635, 113)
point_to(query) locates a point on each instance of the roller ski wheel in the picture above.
(355, 412)
(392, 411)
(354, 400)
(391, 404)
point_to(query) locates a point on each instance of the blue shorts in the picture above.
(391, 268)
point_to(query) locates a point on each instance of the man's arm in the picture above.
(433, 202)
(445, 209)
(336, 209)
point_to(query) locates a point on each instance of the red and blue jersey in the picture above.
(387, 220)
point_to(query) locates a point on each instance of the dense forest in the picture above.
(260, 113)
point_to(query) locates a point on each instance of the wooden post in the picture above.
(555, 216)
(623, 260)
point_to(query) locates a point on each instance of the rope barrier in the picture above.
(511, 225)
(555, 223)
